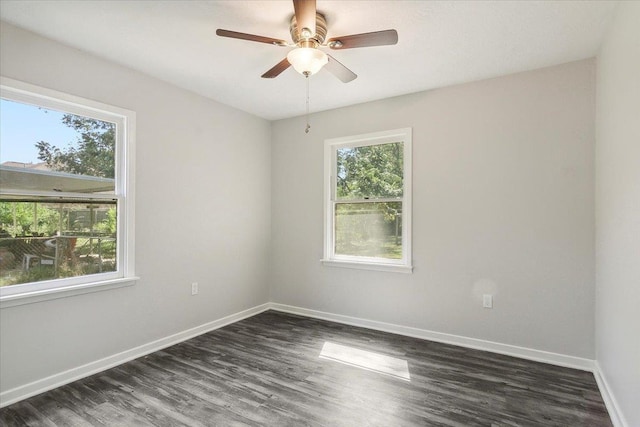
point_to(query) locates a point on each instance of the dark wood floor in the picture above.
(266, 371)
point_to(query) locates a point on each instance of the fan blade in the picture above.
(250, 37)
(339, 70)
(377, 38)
(275, 71)
(305, 15)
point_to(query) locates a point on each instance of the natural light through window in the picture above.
(368, 201)
(66, 205)
(367, 360)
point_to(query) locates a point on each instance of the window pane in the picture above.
(369, 229)
(48, 150)
(372, 171)
(43, 241)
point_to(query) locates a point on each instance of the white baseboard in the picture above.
(478, 344)
(22, 392)
(610, 401)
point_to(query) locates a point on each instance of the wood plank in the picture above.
(267, 370)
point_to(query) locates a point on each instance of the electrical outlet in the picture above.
(487, 301)
(194, 288)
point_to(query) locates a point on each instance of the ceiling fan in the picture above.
(308, 30)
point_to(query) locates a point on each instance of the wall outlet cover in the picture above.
(487, 301)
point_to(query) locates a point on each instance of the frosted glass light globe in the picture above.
(307, 60)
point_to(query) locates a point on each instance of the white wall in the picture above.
(203, 206)
(503, 203)
(618, 211)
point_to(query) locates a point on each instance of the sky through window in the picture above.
(23, 125)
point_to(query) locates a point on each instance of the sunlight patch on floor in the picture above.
(368, 360)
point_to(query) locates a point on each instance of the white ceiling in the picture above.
(440, 43)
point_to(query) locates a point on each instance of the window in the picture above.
(66, 203)
(368, 201)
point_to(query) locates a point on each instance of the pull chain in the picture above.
(306, 130)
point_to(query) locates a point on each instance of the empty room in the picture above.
(322, 213)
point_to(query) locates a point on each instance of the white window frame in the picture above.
(331, 147)
(14, 90)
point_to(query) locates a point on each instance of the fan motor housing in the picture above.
(314, 40)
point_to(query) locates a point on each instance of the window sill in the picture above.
(393, 268)
(64, 292)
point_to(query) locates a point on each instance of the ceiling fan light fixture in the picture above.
(307, 60)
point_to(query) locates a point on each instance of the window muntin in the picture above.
(367, 201)
(81, 232)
